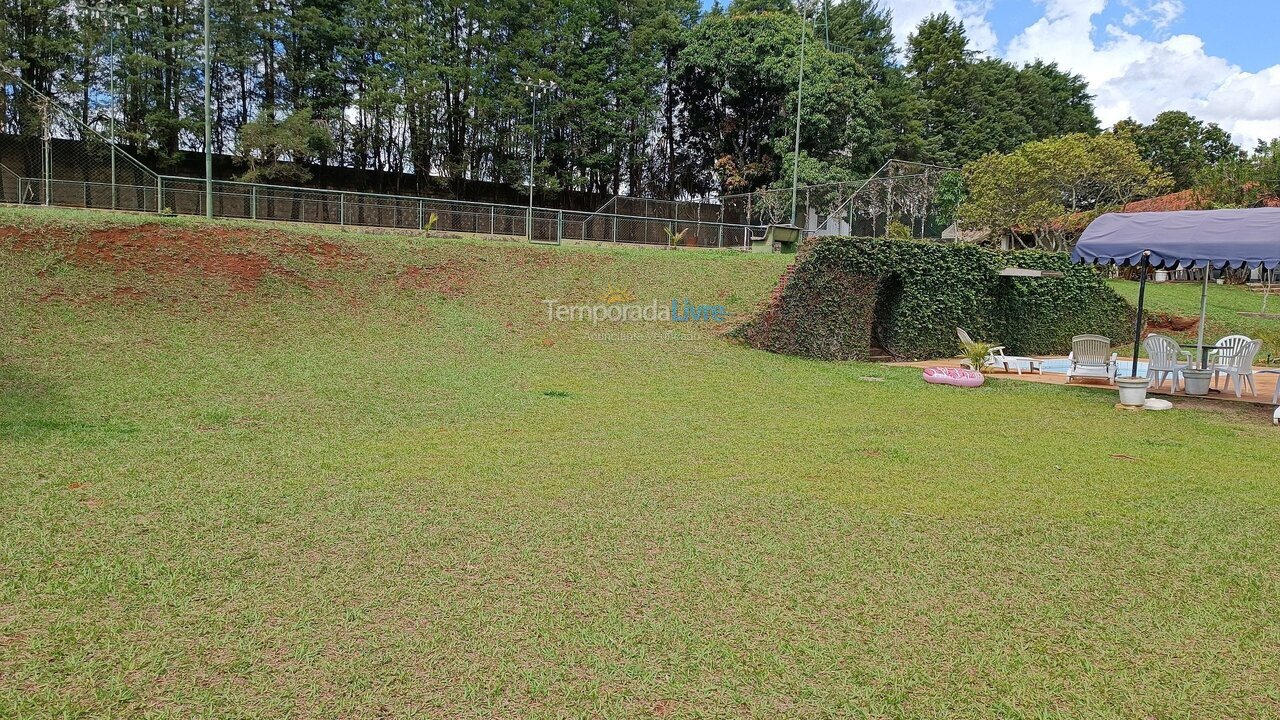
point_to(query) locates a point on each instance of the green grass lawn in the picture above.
(1224, 303)
(349, 489)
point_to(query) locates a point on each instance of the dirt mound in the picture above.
(1167, 322)
(221, 254)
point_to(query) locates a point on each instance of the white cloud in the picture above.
(907, 14)
(1160, 13)
(1139, 77)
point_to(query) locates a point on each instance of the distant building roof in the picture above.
(1182, 200)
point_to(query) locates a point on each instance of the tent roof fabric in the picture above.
(1186, 238)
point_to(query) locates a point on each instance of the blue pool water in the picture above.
(1061, 365)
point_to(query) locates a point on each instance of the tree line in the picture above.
(659, 98)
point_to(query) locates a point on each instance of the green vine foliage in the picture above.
(821, 313)
(1039, 316)
(909, 297)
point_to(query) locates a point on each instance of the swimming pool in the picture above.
(1059, 366)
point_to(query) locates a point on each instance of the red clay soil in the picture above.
(1165, 322)
(160, 250)
(450, 278)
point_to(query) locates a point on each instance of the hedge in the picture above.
(912, 295)
(1039, 316)
(821, 313)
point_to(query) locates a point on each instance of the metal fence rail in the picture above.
(71, 164)
(251, 201)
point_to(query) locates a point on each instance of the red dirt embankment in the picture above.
(159, 250)
(240, 258)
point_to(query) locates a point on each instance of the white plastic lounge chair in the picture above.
(1091, 356)
(1275, 395)
(997, 358)
(1166, 360)
(1238, 368)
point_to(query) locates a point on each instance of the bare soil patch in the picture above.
(212, 254)
(450, 278)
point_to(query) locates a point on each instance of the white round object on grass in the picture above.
(1157, 404)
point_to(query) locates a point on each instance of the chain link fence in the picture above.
(71, 163)
(901, 198)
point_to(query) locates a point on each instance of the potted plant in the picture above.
(1133, 390)
(975, 354)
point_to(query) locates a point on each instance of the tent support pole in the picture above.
(1204, 307)
(1142, 296)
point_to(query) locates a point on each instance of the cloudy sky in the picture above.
(1216, 59)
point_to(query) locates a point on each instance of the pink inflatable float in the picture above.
(952, 376)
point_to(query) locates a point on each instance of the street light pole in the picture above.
(208, 129)
(795, 158)
(535, 89)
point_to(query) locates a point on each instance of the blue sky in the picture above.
(1216, 59)
(1242, 31)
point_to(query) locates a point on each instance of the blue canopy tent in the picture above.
(1186, 239)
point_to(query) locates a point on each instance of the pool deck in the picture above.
(1266, 383)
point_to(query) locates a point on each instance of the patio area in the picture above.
(1265, 379)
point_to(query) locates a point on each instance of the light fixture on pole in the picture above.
(536, 88)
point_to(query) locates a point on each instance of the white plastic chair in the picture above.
(1165, 360)
(1089, 358)
(1228, 346)
(996, 357)
(1238, 368)
(993, 354)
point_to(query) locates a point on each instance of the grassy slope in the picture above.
(1224, 303)
(360, 500)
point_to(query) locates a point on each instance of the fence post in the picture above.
(559, 225)
(615, 227)
(159, 194)
(491, 221)
(342, 209)
(48, 166)
(421, 216)
(253, 199)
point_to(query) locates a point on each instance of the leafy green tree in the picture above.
(940, 62)
(1180, 145)
(1048, 189)
(1241, 181)
(973, 106)
(1056, 102)
(737, 79)
(277, 151)
(38, 46)
(863, 29)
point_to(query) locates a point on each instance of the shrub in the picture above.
(821, 314)
(912, 295)
(926, 289)
(1039, 316)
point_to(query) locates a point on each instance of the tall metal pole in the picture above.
(1204, 307)
(1142, 296)
(535, 89)
(533, 148)
(208, 129)
(115, 68)
(795, 159)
